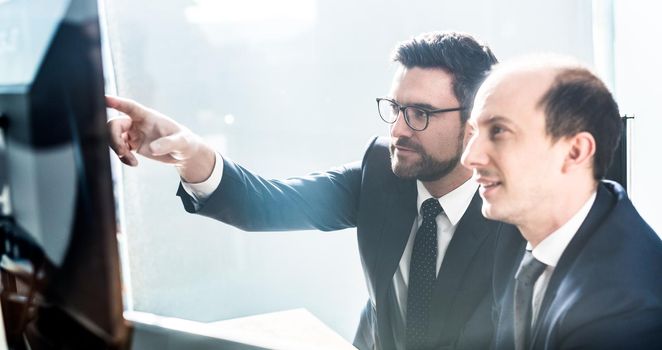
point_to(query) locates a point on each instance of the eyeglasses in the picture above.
(416, 118)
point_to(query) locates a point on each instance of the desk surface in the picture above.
(296, 329)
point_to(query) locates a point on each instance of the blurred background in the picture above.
(288, 87)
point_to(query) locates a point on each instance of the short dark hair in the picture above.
(579, 101)
(459, 54)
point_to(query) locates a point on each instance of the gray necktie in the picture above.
(525, 278)
(422, 275)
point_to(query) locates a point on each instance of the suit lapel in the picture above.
(604, 202)
(471, 231)
(395, 233)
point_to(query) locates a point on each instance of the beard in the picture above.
(425, 168)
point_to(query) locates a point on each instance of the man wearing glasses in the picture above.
(426, 249)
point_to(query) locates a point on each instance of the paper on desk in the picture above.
(296, 329)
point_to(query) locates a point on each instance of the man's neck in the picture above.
(451, 181)
(556, 212)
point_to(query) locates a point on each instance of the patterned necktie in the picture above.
(422, 275)
(525, 278)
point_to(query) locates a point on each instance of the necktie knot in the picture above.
(530, 269)
(430, 208)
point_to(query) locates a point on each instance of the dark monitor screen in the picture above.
(61, 277)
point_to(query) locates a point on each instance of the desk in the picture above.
(296, 329)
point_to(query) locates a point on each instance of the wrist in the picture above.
(199, 166)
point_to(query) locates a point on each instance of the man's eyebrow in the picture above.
(496, 119)
(423, 105)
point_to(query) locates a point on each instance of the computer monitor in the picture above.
(60, 270)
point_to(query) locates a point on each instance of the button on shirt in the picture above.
(550, 249)
(454, 204)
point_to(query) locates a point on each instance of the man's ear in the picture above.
(581, 149)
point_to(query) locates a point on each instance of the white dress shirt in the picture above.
(550, 249)
(454, 204)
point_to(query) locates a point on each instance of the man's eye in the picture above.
(496, 130)
(416, 113)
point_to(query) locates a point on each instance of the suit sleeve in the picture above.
(324, 201)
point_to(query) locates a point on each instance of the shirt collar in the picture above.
(454, 203)
(550, 249)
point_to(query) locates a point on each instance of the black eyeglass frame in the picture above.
(403, 109)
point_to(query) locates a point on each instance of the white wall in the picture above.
(638, 55)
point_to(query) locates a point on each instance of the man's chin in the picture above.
(492, 212)
(416, 166)
(404, 172)
(486, 210)
(404, 166)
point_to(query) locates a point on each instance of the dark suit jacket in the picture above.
(382, 207)
(605, 292)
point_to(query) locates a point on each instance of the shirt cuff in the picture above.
(202, 190)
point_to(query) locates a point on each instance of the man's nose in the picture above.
(474, 155)
(399, 127)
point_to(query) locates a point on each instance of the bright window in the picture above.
(284, 88)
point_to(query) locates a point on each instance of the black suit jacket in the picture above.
(368, 196)
(605, 292)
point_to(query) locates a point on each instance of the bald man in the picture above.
(590, 272)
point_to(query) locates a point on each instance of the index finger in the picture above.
(129, 107)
